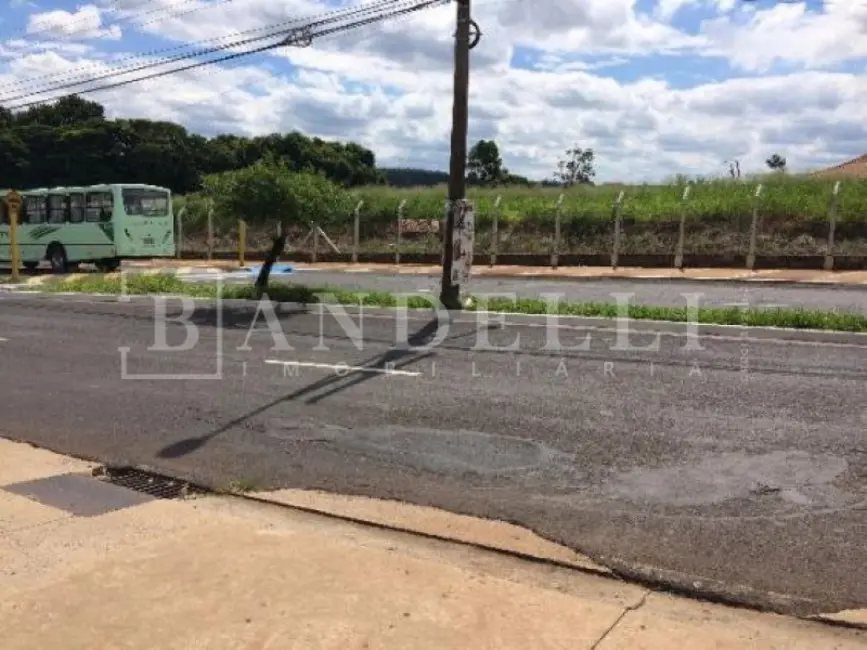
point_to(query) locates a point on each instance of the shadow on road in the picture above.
(394, 359)
(240, 316)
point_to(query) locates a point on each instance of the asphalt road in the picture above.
(739, 468)
(650, 292)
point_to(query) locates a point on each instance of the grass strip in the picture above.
(168, 284)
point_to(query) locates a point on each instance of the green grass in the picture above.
(793, 213)
(284, 292)
(242, 486)
(797, 198)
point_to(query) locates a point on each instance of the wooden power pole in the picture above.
(449, 291)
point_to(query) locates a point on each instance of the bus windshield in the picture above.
(145, 203)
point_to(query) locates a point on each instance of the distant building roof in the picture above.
(855, 168)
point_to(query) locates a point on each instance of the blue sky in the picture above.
(624, 77)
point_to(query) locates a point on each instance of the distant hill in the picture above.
(409, 177)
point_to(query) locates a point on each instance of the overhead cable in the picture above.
(274, 31)
(301, 36)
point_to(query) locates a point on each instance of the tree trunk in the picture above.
(278, 245)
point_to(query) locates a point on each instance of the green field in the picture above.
(793, 215)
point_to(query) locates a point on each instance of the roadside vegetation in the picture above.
(793, 216)
(166, 284)
(298, 181)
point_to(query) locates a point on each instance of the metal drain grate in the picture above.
(155, 485)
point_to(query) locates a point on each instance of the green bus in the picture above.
(98, 224)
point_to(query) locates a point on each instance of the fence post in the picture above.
(681, 233)
(180, 229)
(754, 227)
(615, 253)
(356, 231)
(210, 233)
(832, 227)
(397, 245)
(444, 230)
(555, 244)
(242, 241)
(495, 231)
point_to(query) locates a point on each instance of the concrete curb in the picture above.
(649, 277)
(680, 280)
(740, 333)
(613, 569)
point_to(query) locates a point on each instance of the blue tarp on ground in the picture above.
(277, 269)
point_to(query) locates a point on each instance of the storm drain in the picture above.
(155, 485)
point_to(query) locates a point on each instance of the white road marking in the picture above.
(2, 339)
(344, 368)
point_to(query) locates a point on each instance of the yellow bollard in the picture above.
(242, 241)
(13, 202)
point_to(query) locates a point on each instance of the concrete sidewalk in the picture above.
(86, 564)
(565, 273)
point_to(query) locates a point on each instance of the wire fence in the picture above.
(552, 240)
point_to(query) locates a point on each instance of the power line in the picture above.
(162, 14)
(81, 70)
(302, 36)
(275, 31)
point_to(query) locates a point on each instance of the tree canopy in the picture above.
(71, 142)
(269, 190)
(577, 168)
(776, 162)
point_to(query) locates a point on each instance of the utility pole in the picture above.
(449, 291)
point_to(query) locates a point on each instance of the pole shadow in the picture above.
(395, 359)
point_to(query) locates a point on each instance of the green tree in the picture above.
(484, 164)
(576, 167)
(776, 162)
(66, 111)
(269, 190)
(70, 142)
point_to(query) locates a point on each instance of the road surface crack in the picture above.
(626, 610)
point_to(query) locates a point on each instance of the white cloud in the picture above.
(389, 86)
(85, 23)
(590, 26)
(790, 33)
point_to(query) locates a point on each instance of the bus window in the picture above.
(76, 208)
(33, 209)
(145, 203)
(4, 211)
(57, 208)
(99, 206)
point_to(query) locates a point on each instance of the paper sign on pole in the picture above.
(462, 243)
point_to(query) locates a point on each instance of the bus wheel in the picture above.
(30, 266)
(57, 258)
(108, 265)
